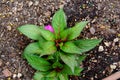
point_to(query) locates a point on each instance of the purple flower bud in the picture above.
(49, 27)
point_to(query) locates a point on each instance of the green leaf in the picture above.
(87, 44)
(70, 47)
(69, 60)
(56, 56)
(49, 78)
(51, 74)
(63, 77)
(64, 34)
(31, 31)
(37, 62)
(80, 58)
(45, 76)
(41, 42)
(73, 32)
(38, 76)
(50, 57)
(32, 48)
(47, 34)
(59, 22)
(67, 70)
(77, 71)
(57, 64)
(48, 48)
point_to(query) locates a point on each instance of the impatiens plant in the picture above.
(56, 52)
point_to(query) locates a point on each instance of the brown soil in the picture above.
(104, 17)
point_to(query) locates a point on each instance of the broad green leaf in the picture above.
(57, 56)
(57, 64)
(31, 31)
(48, 48)
(51, 74)
(69, 60)
(38, 76)
(80, 58)
(74, 32)
(70, 47)
(41, 42)
(64, 34)
(59, 22)
(32, 48)
(77, 71)
(67, 70)
(63, 77)
(50, 57)
(37, 62)
(49, 78)
(47, 34)
(44, 76)
(87, 44)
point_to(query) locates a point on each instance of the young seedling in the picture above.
(56, 52)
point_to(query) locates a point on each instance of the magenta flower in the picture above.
(49, 27)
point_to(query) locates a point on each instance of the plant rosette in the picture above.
(56, 53)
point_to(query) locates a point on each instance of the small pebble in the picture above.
(112, 31)
(116, 40)
(7, 63)
(112, 66)
(92, 30)
(19, 75)
(91, 78)
(48, 13)
(93, 20)
(9, 28)
(36, 3)
(6, 73)
(94, 60)
(99, 6)
(101, 48)
(2, 56)
(102, 26)
(103, 72)
(118, 35)
(30, 3)
(14, 75)
(107, 44)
